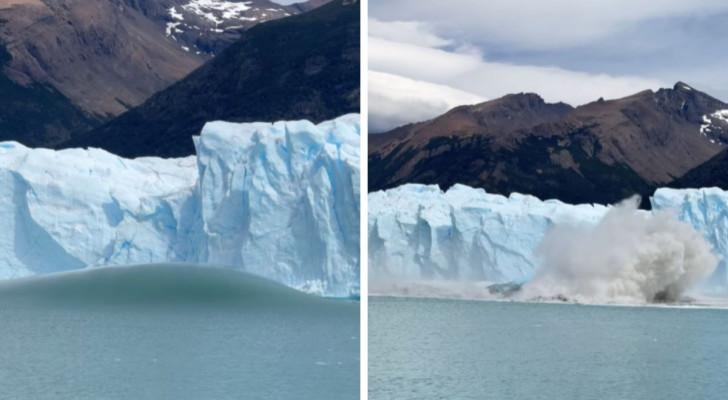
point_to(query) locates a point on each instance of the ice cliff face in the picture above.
(420, 233)
(280, 200)
(283, 201)
(706, 210)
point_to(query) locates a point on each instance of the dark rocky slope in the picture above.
(600, 152)
(301, 67)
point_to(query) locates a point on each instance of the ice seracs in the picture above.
(283, 200)
(280, 200)
(419, 233)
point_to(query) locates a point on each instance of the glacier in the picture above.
(419, 233)
(280, 200)
(706, 210)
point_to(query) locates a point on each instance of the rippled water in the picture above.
(454, 349)
(173, 332)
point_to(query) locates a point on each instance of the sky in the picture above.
(426, 57)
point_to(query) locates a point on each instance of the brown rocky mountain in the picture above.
(89, 60)
(599, 152)
(105, 56)
(303, 67)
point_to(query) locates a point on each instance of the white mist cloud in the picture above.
(541, 25)
(464, 71)
(395, 100)
(630, 256)
(565, 50)
(413, 32)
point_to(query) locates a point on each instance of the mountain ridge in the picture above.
(98, 59)
(302, 67)
(600, 152)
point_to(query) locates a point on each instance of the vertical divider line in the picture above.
(363, 231)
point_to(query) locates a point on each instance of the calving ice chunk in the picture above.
(280, 200)
(421, 234)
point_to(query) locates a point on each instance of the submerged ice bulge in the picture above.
(280, 200)
(420, 234)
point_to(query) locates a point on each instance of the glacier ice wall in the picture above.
(283, 200)
(706, 210)
(280, 200)
(419, 233)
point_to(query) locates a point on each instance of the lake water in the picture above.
(455, 349)
(173, 332)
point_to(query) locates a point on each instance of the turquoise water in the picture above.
(454, 349)
(173, 332)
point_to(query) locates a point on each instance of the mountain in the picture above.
(73, 64)
(208, 27)
(712, 173)
(105, 56)
(601, 152)
(37, 114)
(301, 67)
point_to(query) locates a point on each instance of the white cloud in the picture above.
(565, 50)
(466, 72)
(544, 25)
(395, 100)
(413, 32)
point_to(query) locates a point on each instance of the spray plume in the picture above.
(630, 256)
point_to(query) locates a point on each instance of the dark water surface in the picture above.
(453, 349)
(173, 332)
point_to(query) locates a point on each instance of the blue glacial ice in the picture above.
(280, 200)
(418, 233)
(421, 232)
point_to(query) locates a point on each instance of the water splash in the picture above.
(630, 256)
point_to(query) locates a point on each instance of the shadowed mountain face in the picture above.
(712, 173)
(302, 67)
(600, 152)
(105, 56)
(37, 114)
(95, 59)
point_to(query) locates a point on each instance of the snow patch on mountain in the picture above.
(189, 21)
(713, 122)
(217, 11)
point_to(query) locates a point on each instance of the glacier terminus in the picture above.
(280, 200)
(419, 234)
